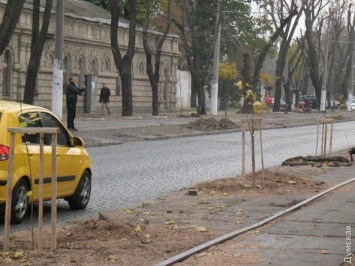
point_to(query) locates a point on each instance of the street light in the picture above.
(325, 74)
(351, 81)
(57, 84)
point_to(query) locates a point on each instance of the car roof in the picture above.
(14, 107)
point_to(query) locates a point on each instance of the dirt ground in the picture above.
(158, 230)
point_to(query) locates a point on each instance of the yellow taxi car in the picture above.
(73, 162)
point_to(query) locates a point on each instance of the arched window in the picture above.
(94, 67)
(81, 78)
(6, 85)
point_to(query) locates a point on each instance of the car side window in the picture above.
(50, 121)
(30, 119)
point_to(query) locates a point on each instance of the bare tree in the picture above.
(37, 44)
(10, 18)
(259, 64)
(154, 72)
(124, 64)
(277, 9)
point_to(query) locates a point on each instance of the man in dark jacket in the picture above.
(105, 98)
(72, 97)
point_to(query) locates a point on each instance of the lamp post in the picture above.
(215, 67)
(351, 81)
(57, 84)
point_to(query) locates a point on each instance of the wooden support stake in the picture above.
(54, 191)
(9, 193)
(325, 140)
(40, 194)
(261, 147)
(243, 148)
(317, 138)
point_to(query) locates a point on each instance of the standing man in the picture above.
(72, 97)
(105, 98)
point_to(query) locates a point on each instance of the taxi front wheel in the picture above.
(81, 197)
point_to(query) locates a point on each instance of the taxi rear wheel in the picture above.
(81, 197)
(19, 206)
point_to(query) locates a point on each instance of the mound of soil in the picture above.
(211, 124)
(332, 161)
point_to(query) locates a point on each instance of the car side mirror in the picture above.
(76, 141)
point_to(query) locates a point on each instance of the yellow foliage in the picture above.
(227, 71)
(267, 79)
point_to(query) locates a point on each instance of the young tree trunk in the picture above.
(154, 74)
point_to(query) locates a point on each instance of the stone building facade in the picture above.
(86, 50)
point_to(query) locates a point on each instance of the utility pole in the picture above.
(57, 84)
(215, 67)
(325, 72)
(351, 81)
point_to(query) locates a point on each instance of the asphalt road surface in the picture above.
(124, 176)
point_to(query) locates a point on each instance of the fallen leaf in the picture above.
(146, 213)
(291, 182)
(203, 254)
(17, 255)
(112, 257)
(128, 211)
(201, 229)
(323, 251)
(171, 222)
(138, 229)
(238, 222)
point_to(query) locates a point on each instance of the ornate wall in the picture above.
(86, 50)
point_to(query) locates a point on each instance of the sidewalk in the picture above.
(97, 130)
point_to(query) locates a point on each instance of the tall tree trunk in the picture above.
(124, 64)
(313, 58)
(37, 44)
(10, 18)
(126, 76)
(154, 74)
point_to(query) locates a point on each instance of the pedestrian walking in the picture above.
(105, 98)
(72, 97)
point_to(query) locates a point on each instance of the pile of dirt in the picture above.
(319, 161)
(211, 124)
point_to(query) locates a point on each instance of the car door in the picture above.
(68, 157)
(31, 146)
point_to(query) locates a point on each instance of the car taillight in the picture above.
(4, 152)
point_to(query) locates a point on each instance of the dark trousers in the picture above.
(71, 107)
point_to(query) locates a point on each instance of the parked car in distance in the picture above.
(73, 162)
(310, 101)
(352, 104)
